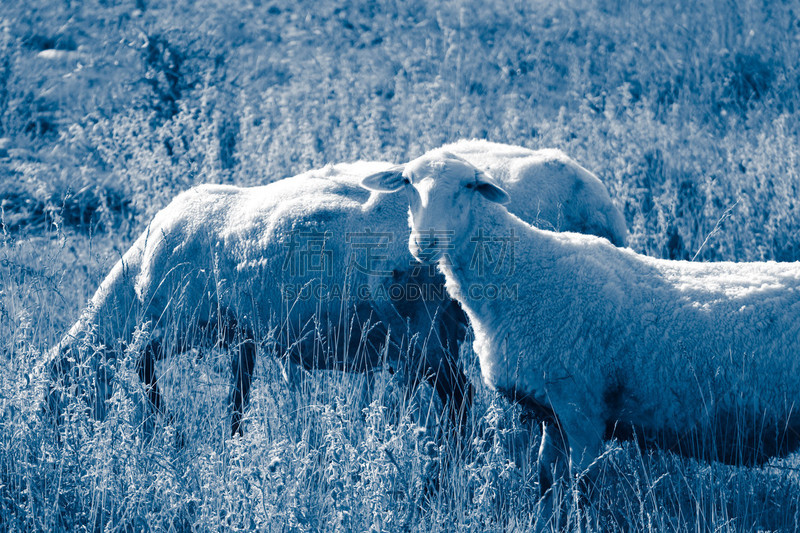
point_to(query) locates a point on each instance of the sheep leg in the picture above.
(554, 450)
(555, 465)
(554, 471)
(242, 367)
(585, 431)
(453, 325)
(451, 385)
(440, 364)
(146, 367)
(554, 462)
(229, 333)
(453, 388)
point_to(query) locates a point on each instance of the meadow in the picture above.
(687, 110)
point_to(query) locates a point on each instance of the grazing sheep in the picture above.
(698, 358)
(288, 262)
(229, 265)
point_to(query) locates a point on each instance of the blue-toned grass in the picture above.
(686, 110)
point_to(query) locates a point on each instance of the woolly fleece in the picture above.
(702, 358)
(220, 252)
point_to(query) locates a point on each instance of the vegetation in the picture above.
(686, 110)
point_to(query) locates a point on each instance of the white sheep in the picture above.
(281, 261)
(547, 188)
(699, 358)
(230, 265)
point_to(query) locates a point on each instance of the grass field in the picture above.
(689, 111)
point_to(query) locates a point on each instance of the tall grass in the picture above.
(330, 454)
(686, 110)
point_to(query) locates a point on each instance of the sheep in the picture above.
(223, 264)
(696, 358)
(547, 188)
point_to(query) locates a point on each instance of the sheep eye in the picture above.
(406, 181)
(470, 185)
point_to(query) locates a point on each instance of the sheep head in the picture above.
(441, 189)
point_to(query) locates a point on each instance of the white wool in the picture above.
(604, 335)
(222, 249)
(243, 237)
(547, 188)
(243, 232)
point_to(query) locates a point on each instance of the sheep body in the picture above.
(213, 264)
(547, 188)
(217, 261)
(244, 238)
(698, 357)
(701, 358)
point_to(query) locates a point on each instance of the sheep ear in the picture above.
(387, 181)
(492, 192)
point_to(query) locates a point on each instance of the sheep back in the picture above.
(547, 188)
